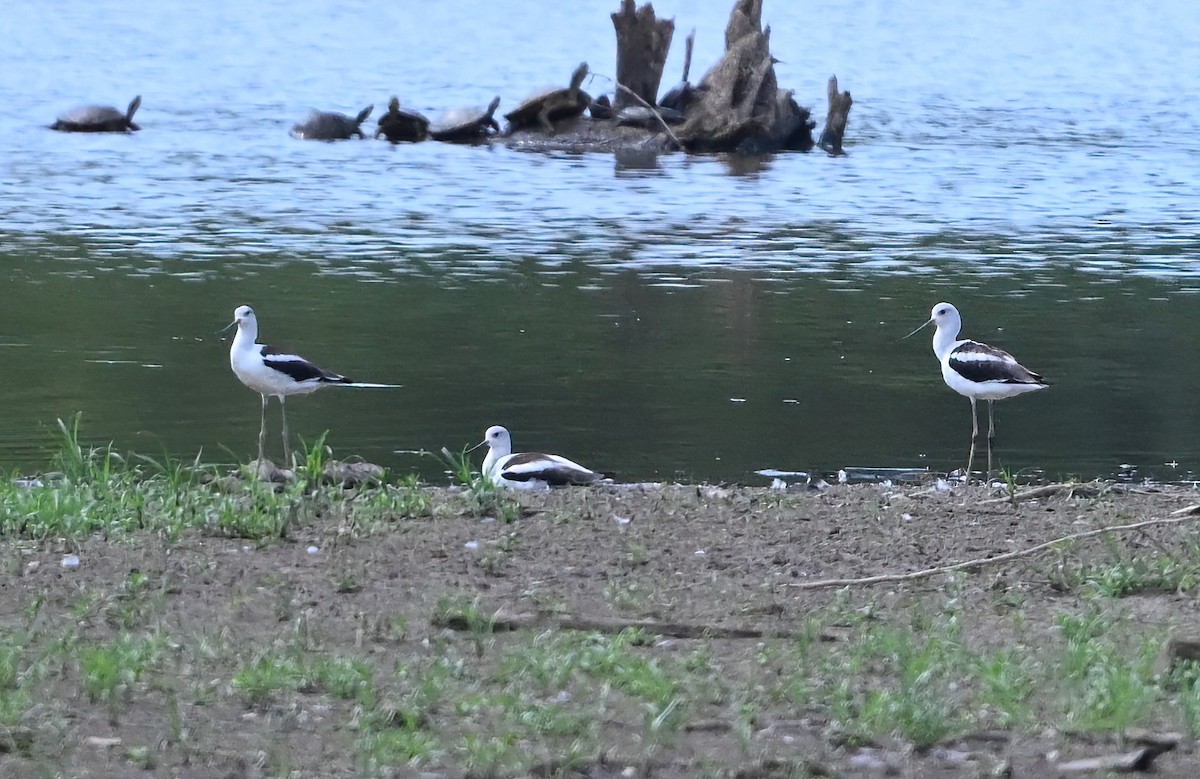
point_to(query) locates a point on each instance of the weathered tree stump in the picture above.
(740, 107)
(835, 119)
(794, 127)
(737, 107)
(643, 42)
(744, 19)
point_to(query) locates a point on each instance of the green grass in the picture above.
(920, 682)
(274, 673)
(20, 669)
(1132, 570)
(94, 490)
(1184, 682)
(893, 681)
(110, 670)
(1007, 686)
(484, 498)
(1108, 686)
(383, 746)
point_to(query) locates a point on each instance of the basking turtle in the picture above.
(331, 126)
(679, 96)
(401, 125)
(545, 108)
(601, 108)
(464, 125)
(98, 119)
(640, 116)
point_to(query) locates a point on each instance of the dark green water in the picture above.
(709, 377)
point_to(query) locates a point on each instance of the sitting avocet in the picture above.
(529, 470)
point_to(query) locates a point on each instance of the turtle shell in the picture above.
(399, 124)
(554, 104)
(99, 119)
(466, 124)
(331, 126)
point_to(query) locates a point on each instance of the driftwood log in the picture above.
(737, 107)
(643, 42)
(740, 107)
(835, 119)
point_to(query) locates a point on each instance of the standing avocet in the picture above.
(271, 372)
(979, 371)
(528, 470)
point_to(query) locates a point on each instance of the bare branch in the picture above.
(1001, 558)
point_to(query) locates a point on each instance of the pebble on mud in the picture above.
(70, 561)
(102, 742)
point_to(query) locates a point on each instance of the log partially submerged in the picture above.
(739, 106)
(835, 119)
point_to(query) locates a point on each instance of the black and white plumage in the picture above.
(529, 470)
(992, 373)
(978, 371)
(273, 372)
(298, 375)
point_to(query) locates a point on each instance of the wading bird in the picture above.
(272, 372)
(979, 371)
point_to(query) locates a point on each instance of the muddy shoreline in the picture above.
(615, 631)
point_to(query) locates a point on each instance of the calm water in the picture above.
(702, 318)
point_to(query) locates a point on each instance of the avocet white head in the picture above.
(528, 470)
(275, 373)
(977, 370)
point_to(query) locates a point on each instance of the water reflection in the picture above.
(747, 165)
(635, 162)
(712, 374)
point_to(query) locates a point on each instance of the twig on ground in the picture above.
(502, 622)
(1045, 491)
(1001, 558)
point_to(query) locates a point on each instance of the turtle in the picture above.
(679, 96)
(401, 125)
(331, 126)
(464, 125)
(601, 108)
(545, 108)
(98, 119)
(640, 116)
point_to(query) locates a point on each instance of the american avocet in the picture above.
(271, 372)
(979, 371)
(528, 470)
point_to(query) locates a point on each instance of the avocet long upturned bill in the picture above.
(272, 372)
(979, 371)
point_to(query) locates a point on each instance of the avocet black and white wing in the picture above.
(547, 468)
(297, 368)
(981, 363)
